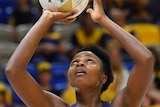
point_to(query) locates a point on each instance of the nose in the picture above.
(80, 63)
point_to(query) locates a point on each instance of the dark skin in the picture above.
(89, 80)
(86, 73)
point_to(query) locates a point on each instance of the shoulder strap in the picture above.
(74, 105)
(105, 104)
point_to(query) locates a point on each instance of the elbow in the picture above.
(149, 61)
(10, 71)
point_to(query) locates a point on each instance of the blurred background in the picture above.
(51, 60)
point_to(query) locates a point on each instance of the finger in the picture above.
(67, 21)
(97, 2)
(72, 20)
(70, 13)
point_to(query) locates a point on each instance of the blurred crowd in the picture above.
(50, 62)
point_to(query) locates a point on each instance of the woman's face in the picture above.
(86, 71)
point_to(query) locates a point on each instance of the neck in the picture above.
(88, 98)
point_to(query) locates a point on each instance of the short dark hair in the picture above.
(104, 57)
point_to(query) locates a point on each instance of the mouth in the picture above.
(80, 72)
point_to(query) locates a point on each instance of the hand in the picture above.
(97, 12)
(61, 17)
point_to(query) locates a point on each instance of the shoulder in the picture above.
(104, 104)
(119, 100)
(55, 100)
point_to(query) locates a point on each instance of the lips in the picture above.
(80, 72)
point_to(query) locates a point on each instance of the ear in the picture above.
(104, 78)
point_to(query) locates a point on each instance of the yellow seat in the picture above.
(147, 33)
(157, 105)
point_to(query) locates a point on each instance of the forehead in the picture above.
(86, 54)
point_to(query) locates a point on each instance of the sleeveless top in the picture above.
(104, 104)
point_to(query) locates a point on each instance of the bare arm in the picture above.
(141, 73)
(24, 85)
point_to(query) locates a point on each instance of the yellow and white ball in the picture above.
(64, 5)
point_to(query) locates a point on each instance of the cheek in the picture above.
(95, 80)
(95, 73)
(96, 69)
(70, 74)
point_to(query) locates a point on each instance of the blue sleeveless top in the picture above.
(104, 104)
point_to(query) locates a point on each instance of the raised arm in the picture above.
(141, 73)
(23, 84)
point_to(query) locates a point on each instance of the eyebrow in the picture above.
(87, 54)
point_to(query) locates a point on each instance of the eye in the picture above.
(89, 61)
(74, 62)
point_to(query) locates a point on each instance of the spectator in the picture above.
(154, 10)
(51, 49)
(119, 16)
(121, 73)
(22, 14)
(5, 96)
(44, 77)
(88, 34)
(139, 12)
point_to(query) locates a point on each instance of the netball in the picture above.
(64, 5)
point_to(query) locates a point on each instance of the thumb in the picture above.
(70, 13)
(89, 11)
